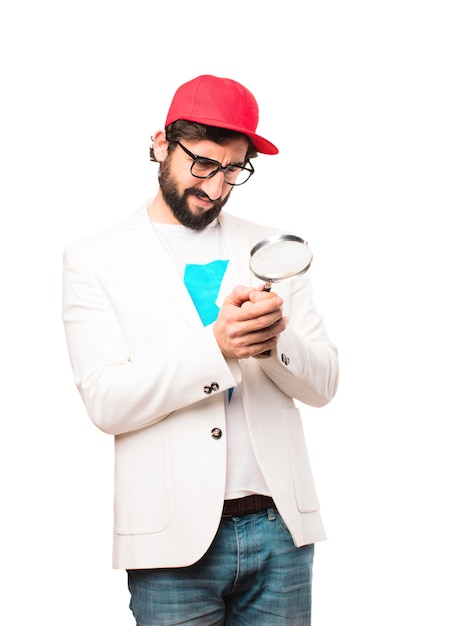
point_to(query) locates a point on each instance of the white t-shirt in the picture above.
(202, 260)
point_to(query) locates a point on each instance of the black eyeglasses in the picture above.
(207, 168)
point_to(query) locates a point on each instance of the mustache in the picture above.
(199, 193)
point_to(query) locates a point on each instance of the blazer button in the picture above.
(207, 389)
(216, 433)
(285, 359)
(215, 386)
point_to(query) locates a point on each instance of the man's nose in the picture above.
(213, 186)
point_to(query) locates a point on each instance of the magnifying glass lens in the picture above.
(279, 258)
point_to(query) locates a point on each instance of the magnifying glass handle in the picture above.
(266, 353)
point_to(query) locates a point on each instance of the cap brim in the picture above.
(262, 145)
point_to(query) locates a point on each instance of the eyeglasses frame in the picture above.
(219, 166)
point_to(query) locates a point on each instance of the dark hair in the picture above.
(181, 129)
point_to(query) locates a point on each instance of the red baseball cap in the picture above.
(219, 102)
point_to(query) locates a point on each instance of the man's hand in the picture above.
(249, 322)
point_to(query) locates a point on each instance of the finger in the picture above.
(261, 308)
(239, 295)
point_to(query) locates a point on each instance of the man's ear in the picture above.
(160, 145)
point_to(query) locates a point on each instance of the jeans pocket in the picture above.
(281, 521)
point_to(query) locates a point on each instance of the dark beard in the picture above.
(178, 203)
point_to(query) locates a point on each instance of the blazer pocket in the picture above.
(304, 485)
(143, 486)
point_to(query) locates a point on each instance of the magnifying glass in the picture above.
(278, 258)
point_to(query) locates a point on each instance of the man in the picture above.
(216, 512)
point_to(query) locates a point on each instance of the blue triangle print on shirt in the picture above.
(203, 284)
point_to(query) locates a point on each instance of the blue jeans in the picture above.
(251, 574)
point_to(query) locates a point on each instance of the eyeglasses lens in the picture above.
(234, 174)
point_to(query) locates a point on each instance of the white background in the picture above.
(358, 97)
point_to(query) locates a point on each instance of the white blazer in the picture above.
(153, 376)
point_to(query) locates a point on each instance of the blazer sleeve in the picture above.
(304, 365)
(125, 389)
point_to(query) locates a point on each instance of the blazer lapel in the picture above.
(164, 276)
(237, 238)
